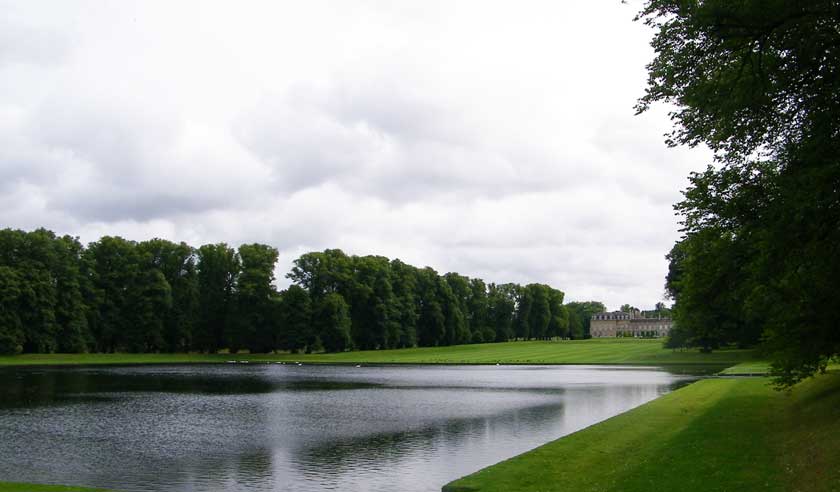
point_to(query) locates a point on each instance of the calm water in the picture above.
(272, 427)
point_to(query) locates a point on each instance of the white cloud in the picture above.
(493, 139)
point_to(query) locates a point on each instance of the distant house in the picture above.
(633, 324)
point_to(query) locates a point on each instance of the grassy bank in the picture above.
(758, 367)
(28, 487)
(748, 368)
(594, 351)
(714, 435)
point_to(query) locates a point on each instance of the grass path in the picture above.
(594, 351)
(714, 435)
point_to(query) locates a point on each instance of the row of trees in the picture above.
(152, 296)
(56, 295)
(758, 83)
(392, 304)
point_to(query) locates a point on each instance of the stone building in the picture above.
(634, 324)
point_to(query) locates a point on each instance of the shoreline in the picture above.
(721, 433)
(377, 364)
(619, 352)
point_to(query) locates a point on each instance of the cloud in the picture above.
(26, 44)
(377, 140)
(492, 140)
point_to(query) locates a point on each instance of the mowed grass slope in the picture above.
(758, 367)
(594, 351)
(748, 368)
(714, 435)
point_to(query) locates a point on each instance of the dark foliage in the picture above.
(758, 82)
(117, 295)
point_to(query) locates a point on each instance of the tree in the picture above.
(128, 296)
(478, 312)
(627, 308)
(710, 308)
(678, 338)
(149, 300)
(431, 326)
(580, 316)
(457, 331)
(177, 263)
(502, 310)
(332, 322)
(11, 328)
(522, 324)
(50, 306)
(539, 316)
(559, 324)
(757, 82)
(298, 333)
(112, 268)
(576, 329)
(218, 272)
(323, 273)
(33, 257)
(660, 310)
(457, 293)
(70, 310)
(255, 288)
(406, 303)
(371, 299)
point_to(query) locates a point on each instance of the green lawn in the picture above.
(594, 351)
(28, 487)
(748, 368)
(714, 435)
(758, 367)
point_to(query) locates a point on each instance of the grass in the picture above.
(714, 435)
(758, 367)
(28, 487)
(749, 368)
(593, 351)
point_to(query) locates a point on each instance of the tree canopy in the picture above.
(157, 295)
(758, 82)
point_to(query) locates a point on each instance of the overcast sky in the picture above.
(495, 139)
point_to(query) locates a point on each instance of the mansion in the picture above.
(619, 323)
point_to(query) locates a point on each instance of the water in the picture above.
(272, 427)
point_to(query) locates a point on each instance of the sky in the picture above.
(494, 139)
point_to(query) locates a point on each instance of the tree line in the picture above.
(116, 295)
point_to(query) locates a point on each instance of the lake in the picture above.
(284, 427)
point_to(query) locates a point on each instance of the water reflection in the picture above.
(277, 428)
